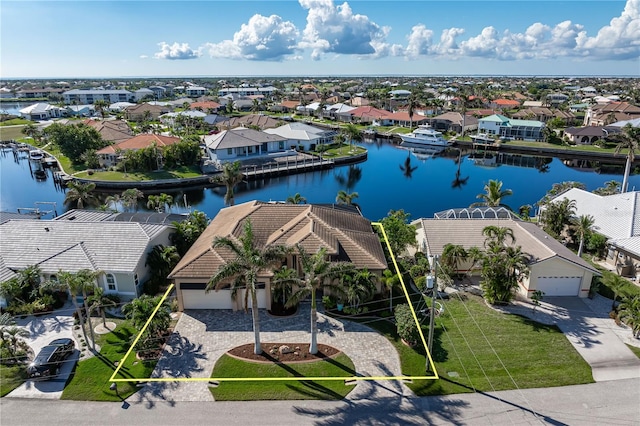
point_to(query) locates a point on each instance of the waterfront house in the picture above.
(452, 122)
(112, 154)
(195, 91)
(42, 111)
(118, 249)
(241, 143)
(139, 112)
(503, 104)
(499, 125)
(366, 114)
(260, 121)
(342, 230)
(588, 135)
(209, 107)
(302, 136)
(80, 110)
(114, 131)
(604, 114)
(553, 268)
(143, 93)
(617, 217)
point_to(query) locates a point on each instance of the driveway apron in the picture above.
(201, 337)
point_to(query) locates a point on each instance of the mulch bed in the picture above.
(272, 353)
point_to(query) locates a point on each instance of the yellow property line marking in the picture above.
(295, 378)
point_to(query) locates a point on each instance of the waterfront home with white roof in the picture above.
(241, 143)
(617, 217)
(303, 135)
(499, 125)
(89, 96)
(41, 111)
(195, 91)
(118, 249)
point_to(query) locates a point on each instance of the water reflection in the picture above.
(459, 181)
(349, 179)
(407, 169)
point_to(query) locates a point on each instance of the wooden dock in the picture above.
(287, 167)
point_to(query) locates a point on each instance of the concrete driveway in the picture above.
(43, 330)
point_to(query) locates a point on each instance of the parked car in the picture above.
(48, 361)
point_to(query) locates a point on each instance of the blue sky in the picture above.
(318, 38)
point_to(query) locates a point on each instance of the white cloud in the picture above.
(262, 38)
(420, 40)
(176, 51)
(143, 56)
(336, 29)
(618, 40)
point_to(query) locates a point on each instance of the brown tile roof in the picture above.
(260, 120)
(616, 107)
(344, 233)
(113, 130)
(468, 233)
(141, 108)
(139, 142)
(369, 111)
(404, 116)
(205, 105)
(290, 104)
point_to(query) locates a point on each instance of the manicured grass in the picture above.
(465, 337)
(571, 148)
(635, 350)
(15, 122)
(11, 133)
(227, 366)
(11, 377)
(90, 381)
(343, 151)
(180, 173)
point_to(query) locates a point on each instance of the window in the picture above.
(111, 282)
(230, 151)
(281, 145)
(135, 279)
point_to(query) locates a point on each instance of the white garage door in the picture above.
(198, 299)
(560, 286)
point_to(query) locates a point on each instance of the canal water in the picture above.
(391, 178)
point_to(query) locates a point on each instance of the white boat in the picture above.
(425, 135)
(422, 152)
(482, 138)
(36, 154)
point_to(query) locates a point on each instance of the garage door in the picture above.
(559, 286)
(196, 298)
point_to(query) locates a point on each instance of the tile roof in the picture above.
(468, 233)
(239, 137)
(344, 233)
(55, 245)
(300, 131)
(139, 142)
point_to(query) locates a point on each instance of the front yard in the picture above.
(90, 382)
(480, 349)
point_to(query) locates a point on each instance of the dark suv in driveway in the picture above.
(48, 361)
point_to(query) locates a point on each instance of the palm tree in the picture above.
(81, 194)
(617, 285)
(100, 105)
(359, 287)
(161, 260)
(351, 133)
(557, 215)
(296, 199)
(139, 311)
(628, 139)
(229, 177)
(525, 211)
(31, 130)
(11, 336)
(453, 255)
(78, 283)
(98, 300)
(411, 106)
(317, 272)
(130, 198)
(345, 198)
(493, 195)
(497, 235)
(244, 269)
(583, 226)
(630, 314)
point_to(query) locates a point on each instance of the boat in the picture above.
(422, 152)
(482, 138)
(36, 154)
(425, 135)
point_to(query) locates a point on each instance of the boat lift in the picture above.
(36, 211)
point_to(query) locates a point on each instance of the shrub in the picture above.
(328, 302)
(407, 328)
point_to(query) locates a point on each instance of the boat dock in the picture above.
(286, 166)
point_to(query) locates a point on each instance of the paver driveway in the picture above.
(201, 337)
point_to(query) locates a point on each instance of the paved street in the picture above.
(201, 337)
(605, 403)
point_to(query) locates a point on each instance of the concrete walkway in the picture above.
(595, 336)
(201, 337)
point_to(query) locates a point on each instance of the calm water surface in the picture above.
(391, 178)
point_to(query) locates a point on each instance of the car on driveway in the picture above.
(48, 361)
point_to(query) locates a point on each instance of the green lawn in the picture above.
(635, 350)
(16, 122)
(343, 151)
(11, 377)
(180, 173)
(9, 133)
(340, 366)
(535, 355)
(570, 148)
(90, 381)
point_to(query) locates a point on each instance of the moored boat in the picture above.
(36, 154)
(425, 135)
